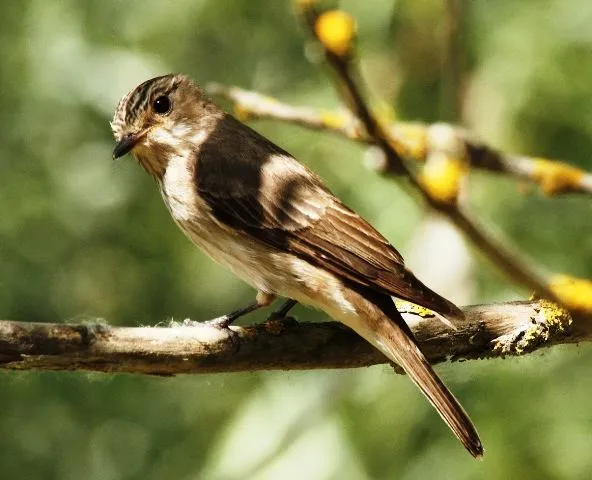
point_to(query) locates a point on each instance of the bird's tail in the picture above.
(395, 340)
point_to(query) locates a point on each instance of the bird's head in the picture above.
(160, 118)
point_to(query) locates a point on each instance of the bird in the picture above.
(253, 208)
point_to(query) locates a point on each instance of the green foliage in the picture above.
(84, 238)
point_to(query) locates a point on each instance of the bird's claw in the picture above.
(279, 318)
(222, 322)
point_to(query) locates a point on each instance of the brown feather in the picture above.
(254, 186)
(399, 345)
(269, 196)
(243, 196)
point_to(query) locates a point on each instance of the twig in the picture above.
(411, 139)
(335, 31)
(489, 331)
(416, 140)
(452, 91)
(254, 104)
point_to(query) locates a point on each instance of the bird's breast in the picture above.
(246, 258)
(265, 268)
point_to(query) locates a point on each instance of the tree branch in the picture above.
(440, 181)
(413, 140)
(410, 138)
(489, 331)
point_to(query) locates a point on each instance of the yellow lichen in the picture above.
(442, 176)
(336, 30)
(556, 177)
(408, 307)
(551, 321)
(502, 345)
(534, 335)
(556, 317)
(574, 293)
(333, 120)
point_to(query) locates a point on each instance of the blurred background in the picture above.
(83, 238)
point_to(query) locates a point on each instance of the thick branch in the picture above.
(489, 331)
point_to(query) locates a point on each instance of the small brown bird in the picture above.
(254, 209)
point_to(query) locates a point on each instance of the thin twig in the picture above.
(341, 63)
(254, 104)
(489, 331)
(451, 97)
(411, 139)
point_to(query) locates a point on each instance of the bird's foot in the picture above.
(222, 322)
(279, 322)
(280, 317)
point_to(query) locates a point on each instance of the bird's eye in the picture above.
(162, 105)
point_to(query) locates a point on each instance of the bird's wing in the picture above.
(257, 188)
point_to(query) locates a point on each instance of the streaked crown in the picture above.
(161, 119)
(133, 105)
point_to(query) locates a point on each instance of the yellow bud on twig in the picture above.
(242, 113)
(411, 140)
(441, 177)
(333, 119)
(555, 177)
(336, 30)
(574, 293)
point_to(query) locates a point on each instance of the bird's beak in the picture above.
(127, 143)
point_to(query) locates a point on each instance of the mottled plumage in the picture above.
(253, 208)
